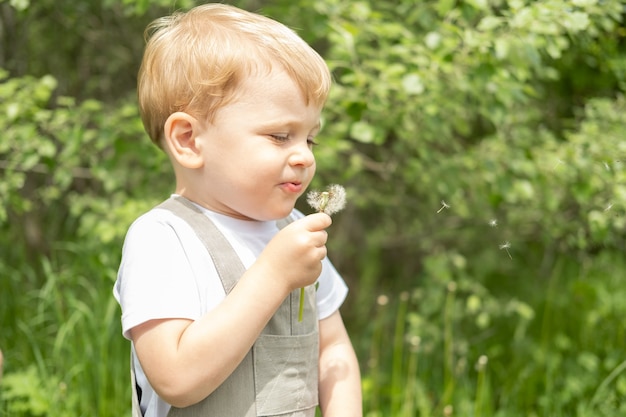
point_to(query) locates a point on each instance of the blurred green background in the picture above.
(483, 147)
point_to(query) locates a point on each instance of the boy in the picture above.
(234, 99)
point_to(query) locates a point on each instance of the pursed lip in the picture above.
(292, 186)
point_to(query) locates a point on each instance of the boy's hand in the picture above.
(295, 254)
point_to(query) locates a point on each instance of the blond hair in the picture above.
(194, 62)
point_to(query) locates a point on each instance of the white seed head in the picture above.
(330, 201)
(482, 363)
(382, 300)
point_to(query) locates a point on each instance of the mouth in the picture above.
(292, 187)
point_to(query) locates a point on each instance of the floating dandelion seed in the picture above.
(609, 207)
(330, 202)
(506, 246)
(444, 205)
(559, 161)
(493, 222)
(606, 165)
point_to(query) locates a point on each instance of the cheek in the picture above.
(312, 170)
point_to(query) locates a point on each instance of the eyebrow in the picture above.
(290, 123)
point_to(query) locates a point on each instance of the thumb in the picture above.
(317, 221)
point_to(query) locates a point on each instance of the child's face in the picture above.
(257, 152)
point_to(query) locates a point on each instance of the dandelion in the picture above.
(444, 205)
(415, 341)
(330, 202)
(382, 300)
(493, 222)
(506, 246)
(482, 363)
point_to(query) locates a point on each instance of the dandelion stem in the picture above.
(324, 201)
(330, 201)
(301, 307)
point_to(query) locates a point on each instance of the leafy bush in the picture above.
(481, 145)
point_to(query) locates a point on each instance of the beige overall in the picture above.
(279, 375)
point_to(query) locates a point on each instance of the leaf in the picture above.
(363, 132)
(432, 40)
(412, 84)
(489, 23)
(20, 5)
(577, 21)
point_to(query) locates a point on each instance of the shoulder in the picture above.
(156, 236)
(156, 217)
(157, 223)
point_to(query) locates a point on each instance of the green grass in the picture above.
(452, 343)
(64, 355)
(553, 347)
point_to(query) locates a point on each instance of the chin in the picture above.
(279, 213)
(271, 212)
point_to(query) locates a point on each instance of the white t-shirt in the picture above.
(166, 272)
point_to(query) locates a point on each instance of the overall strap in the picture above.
(136, 409)
(236, 395)
(227, 263)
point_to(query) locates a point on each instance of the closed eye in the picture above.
(280, 138)
(284, 138)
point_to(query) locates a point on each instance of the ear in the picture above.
(181, 131)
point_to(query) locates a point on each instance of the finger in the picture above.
(317, 221)
(323, 238)
(321, 253)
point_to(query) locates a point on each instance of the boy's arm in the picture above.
(186, 360)
(340, 378)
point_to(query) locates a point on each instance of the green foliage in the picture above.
(454, 345)
(26, 393)
(63, 338)
(481, 145)
(70, 173)
(74, 157)
(436, 94)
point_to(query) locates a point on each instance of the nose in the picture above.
(301, 155)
